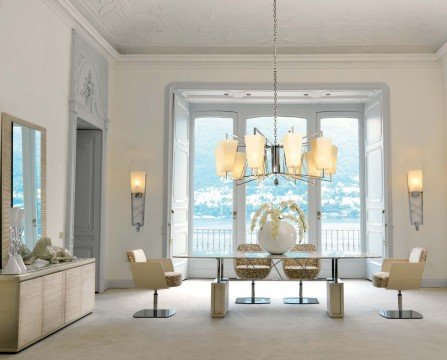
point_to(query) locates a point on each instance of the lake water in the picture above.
(219, 223)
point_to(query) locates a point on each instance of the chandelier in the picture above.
(308, 158)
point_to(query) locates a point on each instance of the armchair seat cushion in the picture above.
(380, 279)
(173, 278)
(252, 272)
(298, 272)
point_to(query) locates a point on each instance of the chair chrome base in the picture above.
(151, 313)
(301, 301)
(402, 314)
(250, 300)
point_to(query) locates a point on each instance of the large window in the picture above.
(223, 212)
(213, 198)
(340, 199)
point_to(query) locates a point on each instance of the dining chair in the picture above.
(301, 269)
(401, 274)
(252, 269)
(153, 274)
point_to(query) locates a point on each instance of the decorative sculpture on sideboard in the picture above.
(45, 250)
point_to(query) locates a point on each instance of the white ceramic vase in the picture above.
(283, 242)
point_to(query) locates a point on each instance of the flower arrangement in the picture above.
(278, 213)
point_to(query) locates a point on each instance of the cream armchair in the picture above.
(252, 269)
(153, 274)
(401, 274)
(302, 269)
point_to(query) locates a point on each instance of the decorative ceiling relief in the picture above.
(178, 26)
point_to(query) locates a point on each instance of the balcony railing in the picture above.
(221, 240)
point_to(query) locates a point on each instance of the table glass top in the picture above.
(287, 255)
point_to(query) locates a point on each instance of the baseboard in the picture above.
(434, 283)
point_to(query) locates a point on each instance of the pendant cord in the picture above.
(275, 78)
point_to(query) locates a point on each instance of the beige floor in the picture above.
(275, 331)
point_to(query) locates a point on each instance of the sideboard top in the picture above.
(34, 272)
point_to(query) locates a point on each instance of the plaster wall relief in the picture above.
(145, 26)
(89, 83)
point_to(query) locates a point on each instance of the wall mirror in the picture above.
(23, 174)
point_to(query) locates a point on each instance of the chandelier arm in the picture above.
(257, 131)
(315, 134)
(233, 136)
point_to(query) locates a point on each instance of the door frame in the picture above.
(89, 69)
(71, 189)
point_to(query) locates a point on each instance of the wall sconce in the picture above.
(416, 197)
(138, 192)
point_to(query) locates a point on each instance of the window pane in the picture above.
(213, 198)
(340, 199)
(257, 193)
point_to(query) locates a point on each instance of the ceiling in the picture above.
(245, 26)
(310, 97)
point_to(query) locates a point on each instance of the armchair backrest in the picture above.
(418, 255)
(253, 248)
(302, 262)
(136, 255)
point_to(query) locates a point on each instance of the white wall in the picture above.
(34, 85)
(137, 109)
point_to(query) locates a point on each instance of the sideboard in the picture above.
(39, 302)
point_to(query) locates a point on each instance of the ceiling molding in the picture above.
(76, 20)
(319, 27)
(442, 51)
(286, 61)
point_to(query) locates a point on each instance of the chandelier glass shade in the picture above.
(299, 157)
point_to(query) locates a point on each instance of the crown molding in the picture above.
(442, 51)
(244, 61)
(134, 58)
(75, 20)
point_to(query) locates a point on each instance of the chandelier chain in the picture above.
(275, 78)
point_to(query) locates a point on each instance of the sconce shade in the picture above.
(255, 151)
(137, 182)
(239, 166)
(333, 168)
(312, 170)
(321, 150)
(292, 143)
(228, 154)
(415, 181)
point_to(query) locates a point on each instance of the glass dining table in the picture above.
(335, 290)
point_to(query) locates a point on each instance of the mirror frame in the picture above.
(6, 174)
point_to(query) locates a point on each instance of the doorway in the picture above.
(88, 189)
